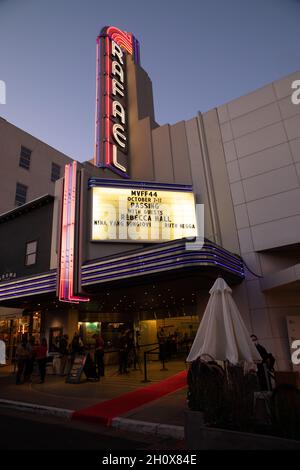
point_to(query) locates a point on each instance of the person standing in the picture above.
(63, 352)
(132, 359)
(99, 354)
(123, 353)
(41, 357)
(2, 352)
(77, 346)
(30, 359)
(265, 367)
(162, 342)
(21, 358)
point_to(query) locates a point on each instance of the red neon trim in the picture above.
(66, 282)
(63, 236)
(107, 144)
(122, 38)
(66, 237)
(72, 196)
(97, 126)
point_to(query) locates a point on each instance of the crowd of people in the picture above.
(27, 353)
(172, 343)
(30, 353)
(127, 349)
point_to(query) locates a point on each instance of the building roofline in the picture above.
(249, 92)
(29, 206)
(36, 138)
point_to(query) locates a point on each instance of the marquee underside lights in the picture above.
(67, 248)
(111, 127)
(166, 257)
(31, 285)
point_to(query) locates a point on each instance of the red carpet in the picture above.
(105, 411)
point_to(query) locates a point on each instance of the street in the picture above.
(28, 431)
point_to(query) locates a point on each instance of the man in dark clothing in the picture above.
(22, 355)
(41, 357)
(266, 366)
(99, 354)
(63, 352)
(30, 359)
(76, 345)
(162, 342)
(123, 353)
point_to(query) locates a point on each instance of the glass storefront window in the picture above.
(14, 329)
(110, 332)
(87, 330)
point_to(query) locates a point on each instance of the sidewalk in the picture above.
(55, 395)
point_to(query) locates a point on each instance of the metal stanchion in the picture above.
(152, 351)
(163, 363)
(145, 368)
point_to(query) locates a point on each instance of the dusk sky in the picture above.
(199, 54)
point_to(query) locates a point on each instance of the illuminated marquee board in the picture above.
(143, 215)
(111, 131)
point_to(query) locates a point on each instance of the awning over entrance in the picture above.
(28, 286)
(169, 257)
(181, 257)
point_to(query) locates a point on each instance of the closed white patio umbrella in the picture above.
(222, 333)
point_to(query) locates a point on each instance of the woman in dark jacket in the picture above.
(41, 357)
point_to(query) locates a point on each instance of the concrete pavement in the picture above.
(164, 416)
(22, 430)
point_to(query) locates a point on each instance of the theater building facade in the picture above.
(138, 235)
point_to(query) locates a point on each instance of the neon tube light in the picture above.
(67, 251)
(105, 155)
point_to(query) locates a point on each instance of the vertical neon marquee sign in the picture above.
(67, 246)
(111, 123)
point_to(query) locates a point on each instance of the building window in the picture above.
(21, 193)
(55, 172)
(31, 252)
(25, 158)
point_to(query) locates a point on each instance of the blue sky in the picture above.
(198, 53)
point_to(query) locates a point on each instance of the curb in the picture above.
(34, 408)
(125, 424)
(166, 430)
